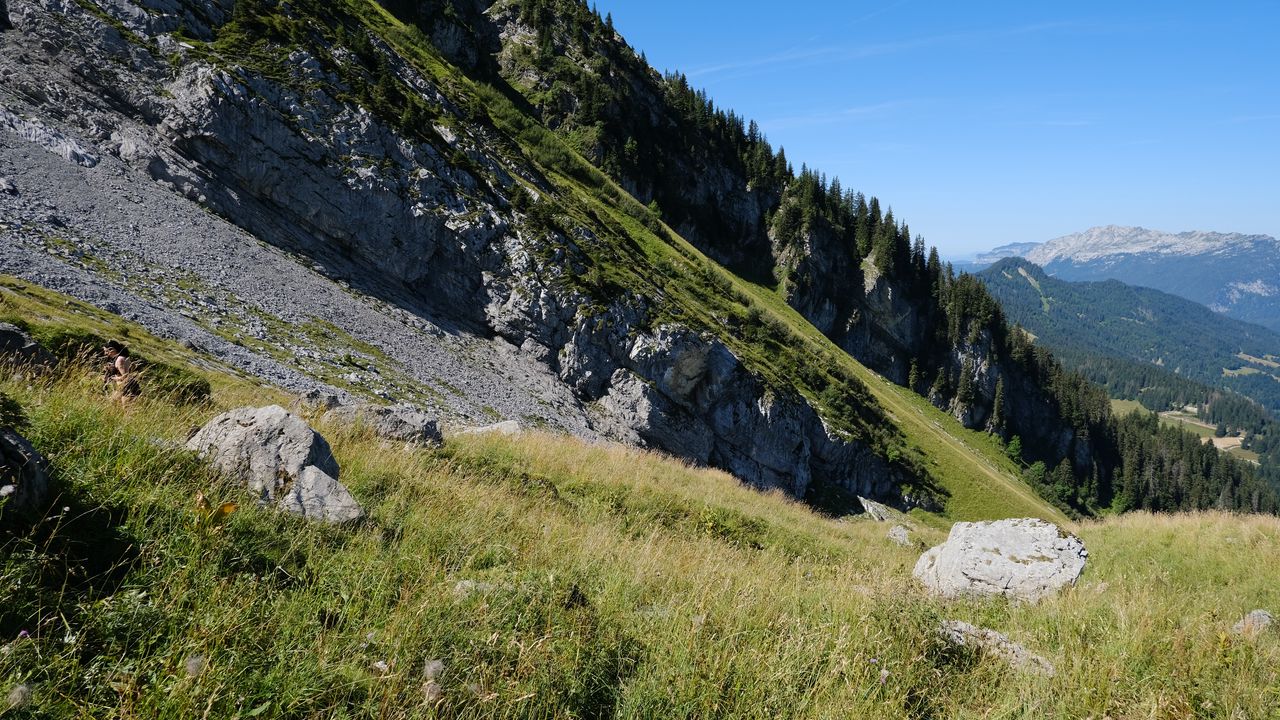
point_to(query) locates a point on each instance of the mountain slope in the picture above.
(1117, 320)
(1231, 273)
(553, 577)
(457, 218)
(420, 169)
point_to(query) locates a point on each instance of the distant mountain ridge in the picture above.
(1107, 241)
(1235, 274)
(995, 255)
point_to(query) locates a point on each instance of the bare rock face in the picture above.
(24, 474)
(995, 644)
(1022, 559)
(406, 423)
(281, 459)
(17, 345)
(874, 510)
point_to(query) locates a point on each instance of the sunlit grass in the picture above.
(554, 577)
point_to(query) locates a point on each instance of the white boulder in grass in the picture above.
(281, 460)
(1021, 559)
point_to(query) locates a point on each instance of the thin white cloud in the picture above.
(828, 117)
(805, 57)
(1255, 118)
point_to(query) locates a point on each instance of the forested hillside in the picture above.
(1109, 319)
(1163, 351)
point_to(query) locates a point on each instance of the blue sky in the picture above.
(995, 122)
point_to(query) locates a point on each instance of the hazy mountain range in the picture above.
(1232, 273)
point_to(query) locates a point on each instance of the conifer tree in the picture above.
(997, 406)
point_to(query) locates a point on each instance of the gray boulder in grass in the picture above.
(17, 346)
(24, 473)
(406, 423)
(281, 459)
(1021, 559)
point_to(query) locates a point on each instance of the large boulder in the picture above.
(17, 346)
(24, 474)
(1022, 559)
(406, 423)
(281, 459)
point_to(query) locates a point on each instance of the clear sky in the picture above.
(994, 122)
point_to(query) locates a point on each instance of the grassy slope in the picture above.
(970, 466)
(607, 581)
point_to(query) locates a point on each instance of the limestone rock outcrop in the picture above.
(24, 473)
(17, 346)
(995, 644)
(281, 460)
(406, 423)
(1021, 559)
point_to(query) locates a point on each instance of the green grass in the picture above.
(1187, 422)
(1126, 407)
(556, 578)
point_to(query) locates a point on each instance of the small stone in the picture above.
(465, 588)
(19, 696)
(432, 692)
(995, 644)
(1253, 624)
(405, 423)
(899, 535)
(194, 665)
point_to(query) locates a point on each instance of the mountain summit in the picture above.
(1232, 273)
(1110, 240)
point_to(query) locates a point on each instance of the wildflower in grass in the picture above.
(884, 676)
(23, 634)
(432, 669)
(381, 667)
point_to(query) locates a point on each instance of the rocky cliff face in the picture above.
(893, 325)
(415, 217)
